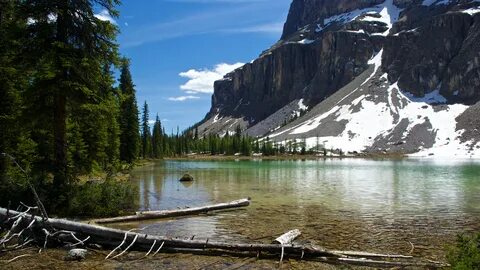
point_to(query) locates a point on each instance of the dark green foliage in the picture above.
(189, 142)
(67, 48)
(157, 139)
(466, 254)
(59, 109)
(107, 199)
(129, 126)
(146, 136)
(11, 81)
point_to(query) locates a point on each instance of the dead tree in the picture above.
(64, 231)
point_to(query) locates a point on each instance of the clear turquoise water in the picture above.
(353, 204)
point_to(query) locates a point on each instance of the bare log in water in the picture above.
(288, 237)
(285, 239)
(370, 255)
(175, 213)
(69, 231)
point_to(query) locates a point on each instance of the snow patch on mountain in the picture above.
(377, 62)
(433, 97)
(386, 13)
(472, 11)
(306, 41)
(383, 120)
(375, 120)
(302, 106)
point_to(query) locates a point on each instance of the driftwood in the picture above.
(288, 237)
(64, 231)
(285, 239)
(175, 213)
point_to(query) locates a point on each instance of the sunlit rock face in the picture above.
(428, 50)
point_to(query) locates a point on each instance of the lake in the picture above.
(390, 206)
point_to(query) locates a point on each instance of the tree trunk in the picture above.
(128, 240)
(60, 99)
(60, 137)
(175, 213)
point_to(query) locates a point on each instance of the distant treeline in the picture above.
(157, 144)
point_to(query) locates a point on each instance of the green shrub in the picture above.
(106, 199)
(465, 255)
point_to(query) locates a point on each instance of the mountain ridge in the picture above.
(418, 52)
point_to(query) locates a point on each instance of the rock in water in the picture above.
(76, 254)
(186, 178)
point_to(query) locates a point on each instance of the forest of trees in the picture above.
(62, 114)
(157, 144)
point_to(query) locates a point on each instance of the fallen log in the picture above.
(144, 215)
(370, 255)
(288, 237)
(113, 237)
(285, 239)
(70, 231)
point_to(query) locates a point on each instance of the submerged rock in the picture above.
(76, 254)
(186, 178)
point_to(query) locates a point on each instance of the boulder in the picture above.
(76, 254)
(186, 178)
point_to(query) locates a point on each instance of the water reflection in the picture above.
(379, 205)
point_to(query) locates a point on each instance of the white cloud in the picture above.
(182, 98)
(151, 122)
(201, 81)
(104, 15)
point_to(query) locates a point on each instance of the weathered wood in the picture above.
(108, 237)
(113, 237)
(285, 239)
(288, 237)
(370, 255)
(144, 215)
(388, 264)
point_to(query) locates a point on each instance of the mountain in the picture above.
(363, 76)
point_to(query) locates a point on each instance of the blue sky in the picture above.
(178, 47)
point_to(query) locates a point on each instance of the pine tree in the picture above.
(157, 137)
(129, 125)
(11, 82)
(146, 136)
(68, 47)
(196, 133)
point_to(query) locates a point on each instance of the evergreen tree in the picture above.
(8, 93)
(146, 136)
(68, 47)
(246, 148)
(257, 146)
(196, 133)
(129, 125)
(157, 137)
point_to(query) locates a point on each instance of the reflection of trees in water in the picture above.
(376, 205)
(470, 180)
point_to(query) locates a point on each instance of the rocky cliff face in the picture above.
(428, 50)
